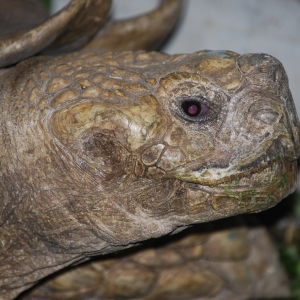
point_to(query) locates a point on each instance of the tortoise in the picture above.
(105, 146)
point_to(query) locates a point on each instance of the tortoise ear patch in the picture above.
(104, 154)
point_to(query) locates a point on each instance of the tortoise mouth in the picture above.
(256, 174)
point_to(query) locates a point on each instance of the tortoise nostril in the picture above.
(266, 115)
(277, 76)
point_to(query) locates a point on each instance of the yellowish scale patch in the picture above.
(134, 124)
(222, 69)
(57, 83)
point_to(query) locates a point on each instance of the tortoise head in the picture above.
(200, 136)
(154, 140)
(100, 151)
(103, 150)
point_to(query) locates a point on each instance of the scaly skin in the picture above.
(99, 154)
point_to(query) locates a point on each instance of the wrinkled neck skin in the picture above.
(100, 152)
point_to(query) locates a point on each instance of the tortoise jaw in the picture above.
(252, 193)
(274, 174)
(220, 176)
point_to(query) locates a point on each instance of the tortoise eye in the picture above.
(194, 108)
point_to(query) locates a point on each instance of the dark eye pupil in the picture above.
(191, 108)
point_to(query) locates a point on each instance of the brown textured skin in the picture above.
(97, 153)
